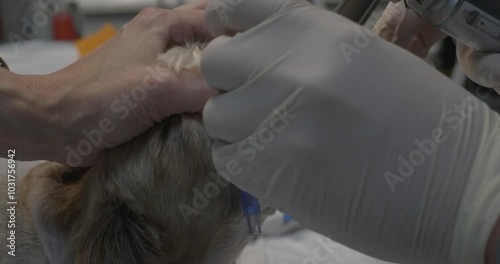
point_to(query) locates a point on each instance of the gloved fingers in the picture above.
(397, 24)
(425, 38)
(229, 16)
(229, 118)
(223, 65)
(260, 151)
(482, 68)
(406, 29)
(228, 63)
(215, 114)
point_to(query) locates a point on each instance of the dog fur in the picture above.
(129, 207)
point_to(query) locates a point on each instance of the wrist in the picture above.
(31, 116)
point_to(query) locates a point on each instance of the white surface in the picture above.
(287, 242)
(21, 169)
(114, 6)
(124, 6)
(38, 56)
(301, 247)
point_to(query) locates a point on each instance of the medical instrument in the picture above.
(475, 23)
(251, 209)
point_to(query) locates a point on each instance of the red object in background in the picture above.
(63, 26)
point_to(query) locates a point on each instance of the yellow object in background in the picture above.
(88, 44)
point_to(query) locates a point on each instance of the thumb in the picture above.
(186, 92)
(406, 29)
(397, 24)
(425, 38)
(229, 16)
(482, 68)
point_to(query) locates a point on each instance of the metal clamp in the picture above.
(3, 64)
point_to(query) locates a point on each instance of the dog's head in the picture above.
(155, 199)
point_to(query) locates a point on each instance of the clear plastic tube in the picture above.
(251, 209)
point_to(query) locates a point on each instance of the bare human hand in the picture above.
(109, 96)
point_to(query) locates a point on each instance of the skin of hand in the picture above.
(107, 97)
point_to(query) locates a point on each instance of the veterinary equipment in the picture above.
(476, 23)
(251, 209)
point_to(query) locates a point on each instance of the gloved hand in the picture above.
(353, 137)
(482, 68)
(406, 29)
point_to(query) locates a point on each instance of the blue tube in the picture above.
(287, 218)
(251, 209)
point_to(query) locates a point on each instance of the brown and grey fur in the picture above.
(126, 208)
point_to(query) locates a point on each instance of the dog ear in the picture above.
(111, 233)
(55, 202)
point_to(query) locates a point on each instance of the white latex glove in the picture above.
(373, 147)
(482, 68)
(406, 29)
